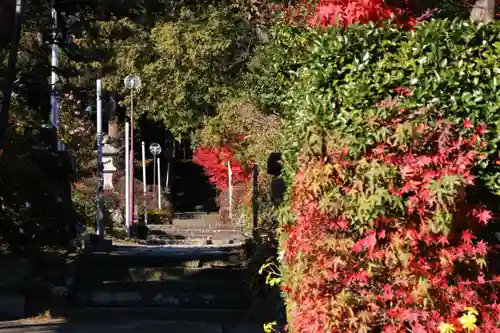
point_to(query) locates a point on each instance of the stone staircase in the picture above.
(196, 229)
(170, 282)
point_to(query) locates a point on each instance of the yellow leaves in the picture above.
(469, 320)
(269, 327)
(471, 311)
(343, 296)
(446, 328)
(79, 41)
(403, 257)
(20, 127)
(390, 259)
(421, 290)
(481, 262)
(405, 132)
(365, 317)
(361, 321)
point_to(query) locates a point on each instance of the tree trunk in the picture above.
(483, 11)
(6, 22)
(10, 75)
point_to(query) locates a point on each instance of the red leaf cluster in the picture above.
(398, 270)
(345, 12)
(215, 162)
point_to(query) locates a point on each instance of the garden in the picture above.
(386, 115)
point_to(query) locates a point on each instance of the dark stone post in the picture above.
(274, 168)
(255, 203)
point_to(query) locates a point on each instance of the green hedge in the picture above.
(450, 66)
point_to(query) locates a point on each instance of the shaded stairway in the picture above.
(196, 229)
(138, 283)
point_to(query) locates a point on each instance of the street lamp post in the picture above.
(132, 82)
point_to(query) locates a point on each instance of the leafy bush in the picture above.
(380, 238)
(250, 133)
(156, 216)
(84, 201)
(391, 135)
(448, 66)
(215, 162)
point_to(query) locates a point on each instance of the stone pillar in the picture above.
(108, 154)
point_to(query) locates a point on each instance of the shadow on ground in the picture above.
(124, 326)
(166, 235)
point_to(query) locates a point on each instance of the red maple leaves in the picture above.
(215, 162)
(411, 267)
(346, 12)
(482, 215)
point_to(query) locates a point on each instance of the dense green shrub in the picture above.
(84, 202)
(368, 105)
(156, 216)
(450, 66)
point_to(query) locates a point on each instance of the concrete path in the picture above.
(124, 327)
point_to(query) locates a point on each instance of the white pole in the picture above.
(154, 176)
(159, 185)
(54, 63)
(167, 181)
(230, 181)
(144, 180)
(100, 166)
(127, 178)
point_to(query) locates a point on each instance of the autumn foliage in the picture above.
(215, 163)
(388, 241)
(345, 12)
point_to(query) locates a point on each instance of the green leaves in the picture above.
(343, 76)
(188, 63)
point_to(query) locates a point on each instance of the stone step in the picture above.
(178, 233)
(194, 225)
(149, 274)
(117, 314)
(196, 216)
(182, 286)
(163, 257)
(165, 299)
(223, 236)
(188, 241)
(199, 224)
(198, 240)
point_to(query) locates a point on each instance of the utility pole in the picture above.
(10, 75)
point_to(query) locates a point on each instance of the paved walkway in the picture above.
(142, 326)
